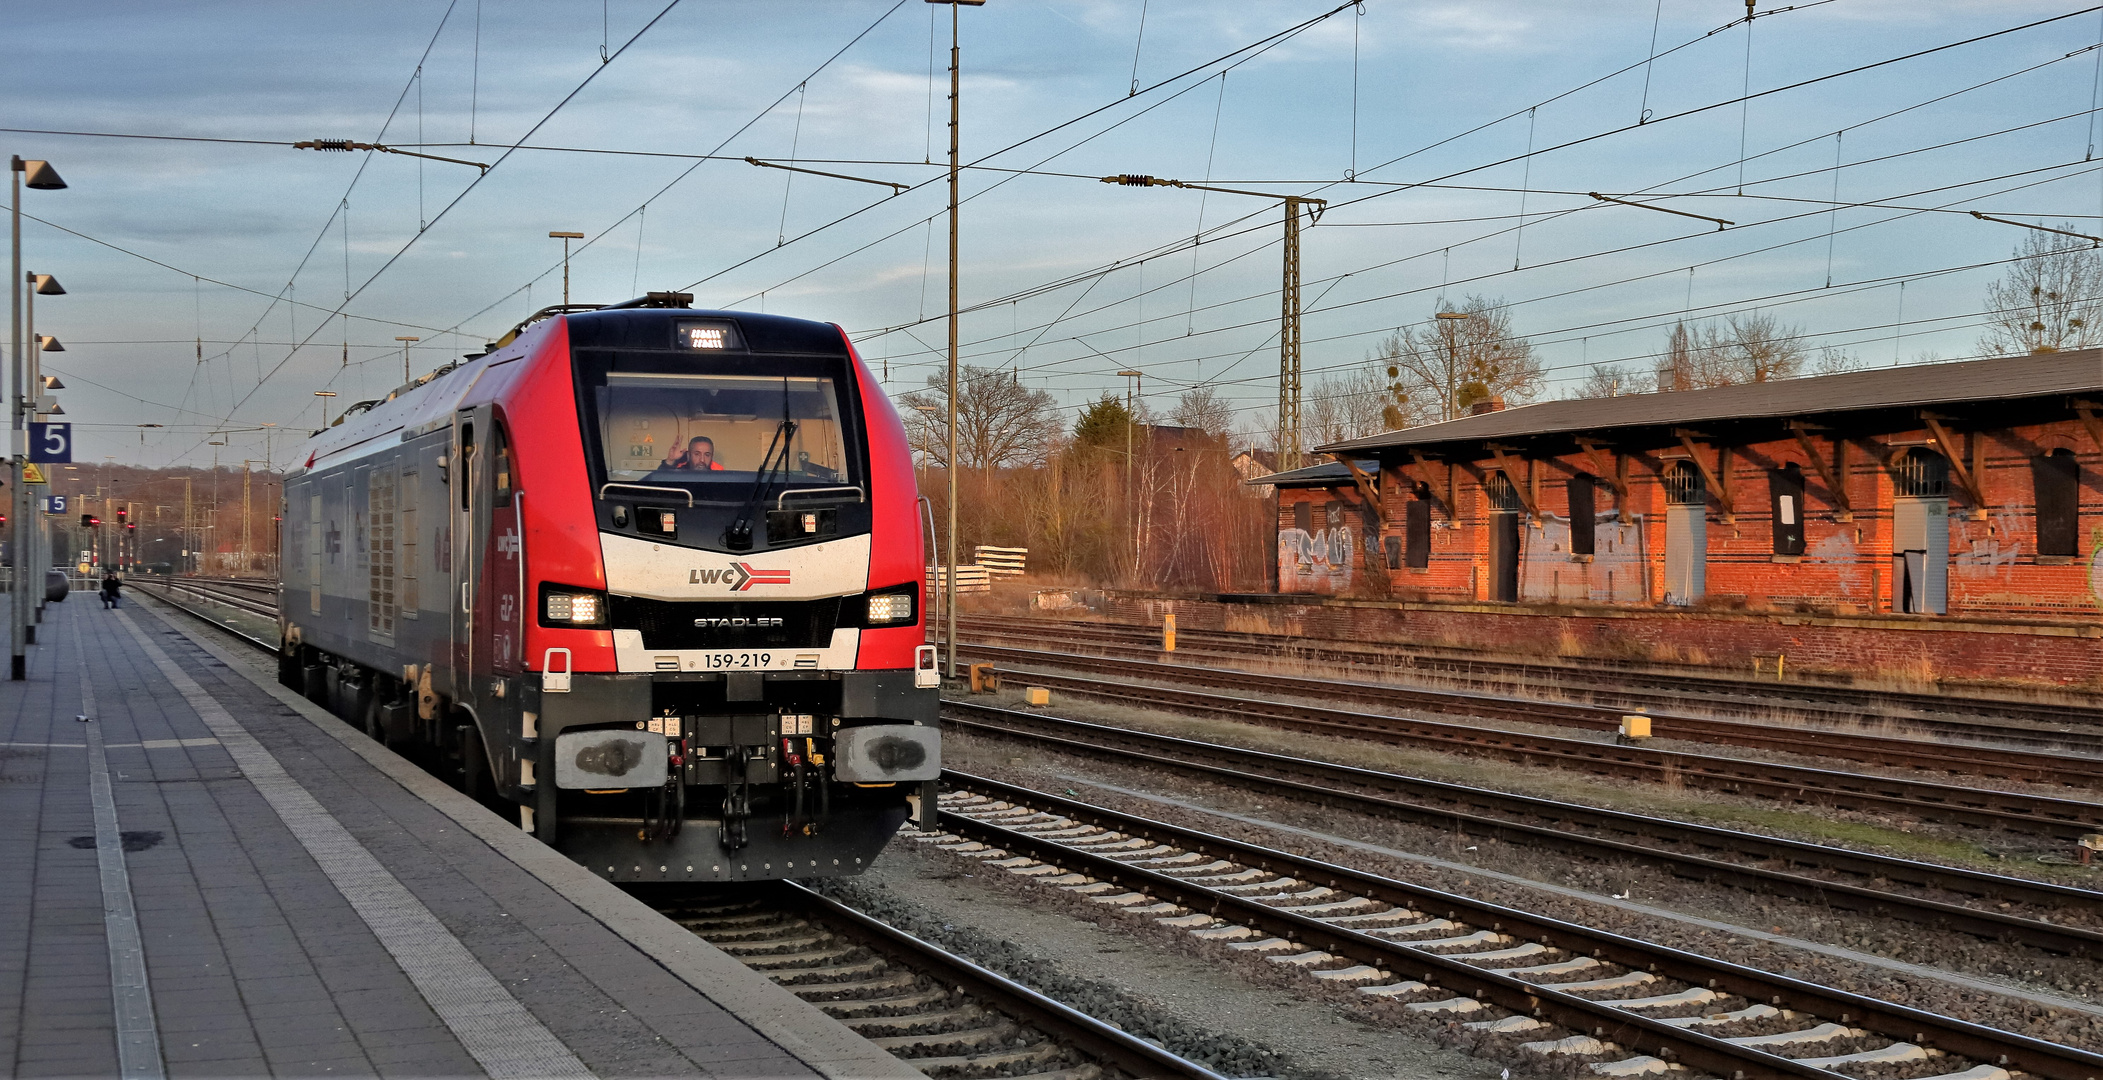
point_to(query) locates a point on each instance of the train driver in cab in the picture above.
(700, 454)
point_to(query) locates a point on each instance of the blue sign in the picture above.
(51, 442)
(54, 504)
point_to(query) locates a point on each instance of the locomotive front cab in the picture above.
(758, 713)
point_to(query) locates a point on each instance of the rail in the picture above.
(1607, 683)
(1699, 852)
(1157, 861)
(2064, 769)
(1973, 807)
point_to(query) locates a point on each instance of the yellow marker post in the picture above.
(1168, 633)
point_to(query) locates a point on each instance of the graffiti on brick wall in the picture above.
(1837, 549)
(2095, 564)
(1978, 552)
(1614, 574)
(1317, 560)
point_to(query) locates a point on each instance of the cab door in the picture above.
(500, 614)
(490, 618)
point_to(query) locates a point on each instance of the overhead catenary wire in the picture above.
(1610, 251)
(1939, 97)
(1719, 104)
(1689, 307)
(469, 189)
(1151, 276)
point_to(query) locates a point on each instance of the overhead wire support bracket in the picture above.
(896, 188)
(1720, 223)
(1288, 295)
(1314, 213)
(344, 145)
(2094, 241)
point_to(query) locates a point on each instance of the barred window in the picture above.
(1684, 485)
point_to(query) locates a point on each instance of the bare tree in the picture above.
(1203, 408)
(1752, 348)
(1000, 423)
(1612, 380)
(1834, 360)
(1745, 349)
(2050, 299)
(1441, 369)
(1345, 405)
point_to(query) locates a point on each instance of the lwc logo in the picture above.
(739, 576)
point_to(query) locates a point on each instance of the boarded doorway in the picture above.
(1920, 533)
(1686, 534)
(1504, 538)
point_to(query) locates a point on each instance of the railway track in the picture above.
(1863, 883)
(2069, 770)
(1978, 808)
(1626, 1006)
(256, 598)
(1600, 684)
(936, 1011)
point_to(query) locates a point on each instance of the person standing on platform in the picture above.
(110, 584)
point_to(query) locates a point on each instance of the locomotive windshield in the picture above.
(660, 429)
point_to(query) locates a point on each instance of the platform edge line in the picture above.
(497, 1029)
(131, 994)
(807, 1033)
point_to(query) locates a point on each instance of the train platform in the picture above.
(206, 875)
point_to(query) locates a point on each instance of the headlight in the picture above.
(564, 607)
(888, 608)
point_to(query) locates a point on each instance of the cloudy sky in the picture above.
(208, 280)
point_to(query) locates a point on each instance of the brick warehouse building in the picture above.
(1937, 521)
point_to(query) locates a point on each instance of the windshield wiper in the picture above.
(738, 536)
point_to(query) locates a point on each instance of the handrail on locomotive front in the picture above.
(603, 488)
(859, 494)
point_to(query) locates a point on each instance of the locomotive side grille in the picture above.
(728, 624)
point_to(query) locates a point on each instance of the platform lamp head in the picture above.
(38, 175)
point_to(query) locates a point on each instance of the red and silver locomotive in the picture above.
(651, 576)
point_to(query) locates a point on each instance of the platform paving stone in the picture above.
(257, 962)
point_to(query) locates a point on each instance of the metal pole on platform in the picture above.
(17, 633)
(24, 556)
(949, 582)
(41, 176)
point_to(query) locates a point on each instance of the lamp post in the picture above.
(33, 544)
(949, 586)
(324, 395)
(1452, 344)
(40, 176)
(407, 341)
(565, 237)
(1131, 519)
